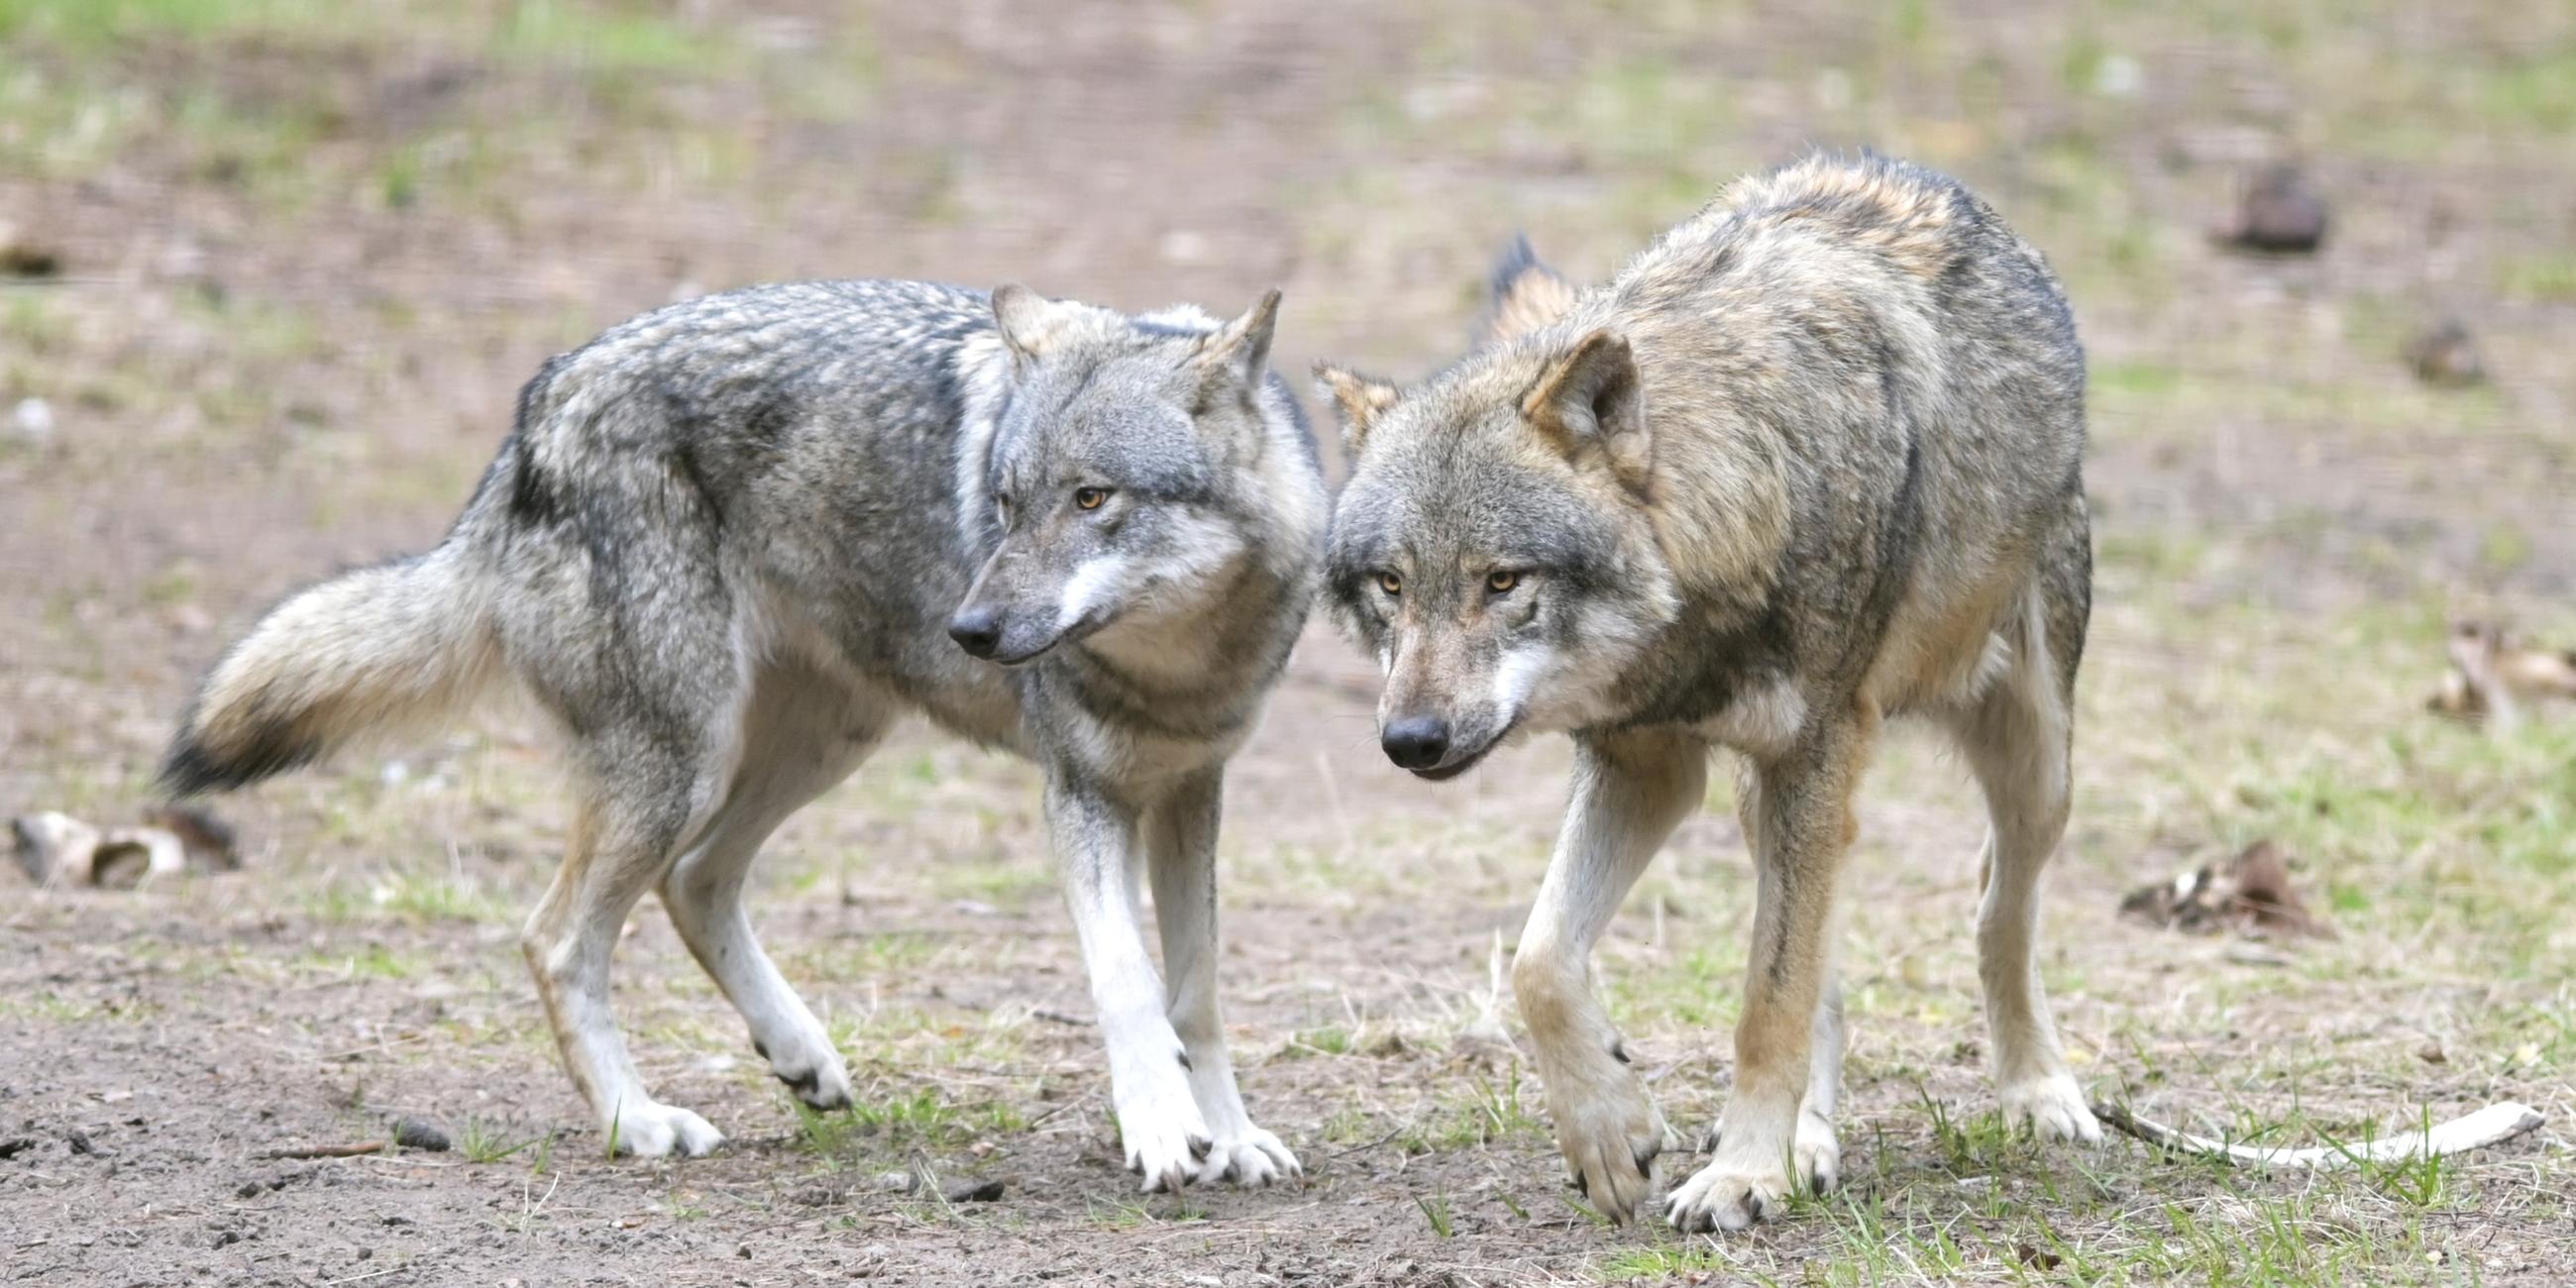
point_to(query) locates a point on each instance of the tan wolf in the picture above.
(1812, 459)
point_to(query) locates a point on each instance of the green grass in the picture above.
(409, 896)
(96, 25)
(2544, 277)
(481, 1141)
(1436, 1214)
(1473, 1112)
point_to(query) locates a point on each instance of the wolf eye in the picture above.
(1390, 583)
(1501, 583)
(1090, 498)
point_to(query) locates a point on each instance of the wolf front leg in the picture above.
(1181, 834)
(1802, 808)
(1159, 1122)
(1630, 792)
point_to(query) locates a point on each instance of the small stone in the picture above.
(422, 1134)
(2280, 212)
(2446, 355)
(895, 1182)
(21, 256)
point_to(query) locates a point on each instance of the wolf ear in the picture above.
(1241, 348)
(1526, 295)
(1030, 323)
(1590, 399)
(1359, 399)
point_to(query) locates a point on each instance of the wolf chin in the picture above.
(1810, 460)
(732, 541)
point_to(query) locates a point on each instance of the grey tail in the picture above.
(374, 651)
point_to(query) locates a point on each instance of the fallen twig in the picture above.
(326, 1151)
(2492, 1125)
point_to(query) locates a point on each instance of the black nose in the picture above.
(1415, 742)
(976, 629)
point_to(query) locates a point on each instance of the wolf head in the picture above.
(1494, 546)
(1112, 489)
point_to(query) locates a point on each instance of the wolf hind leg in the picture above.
(2017, 738)
(805, 732)
(627, 830)
(633, 642)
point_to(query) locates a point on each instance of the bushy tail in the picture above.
(373, 652)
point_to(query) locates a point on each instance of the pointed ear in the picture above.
(1591, 400)
(1359, 399)
(1029, 322)
(1526, 295)
(1241, 348)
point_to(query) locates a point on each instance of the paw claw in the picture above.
(1610, 1141)
(810, 1068)
(1718, 1199)
(1164, 1143)
(1818, 1155)
(1252, 1159)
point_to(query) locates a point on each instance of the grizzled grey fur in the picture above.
(734, 540)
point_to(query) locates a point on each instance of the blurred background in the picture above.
(272, 272)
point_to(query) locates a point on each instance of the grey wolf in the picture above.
(1812, 459)
(732, 541)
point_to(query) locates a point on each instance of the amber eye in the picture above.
(1090, 498)
(1390, 583)
(1501, 583)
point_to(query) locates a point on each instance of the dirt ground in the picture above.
(306, 252)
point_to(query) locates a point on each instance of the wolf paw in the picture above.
(1818, 1154)
(1726, 1196)
(811, 1069)
(1610, 1139)
(1165, 1143)
(659, 1131)
(1251, 1158)
(2052, 1106)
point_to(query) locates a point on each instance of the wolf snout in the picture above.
(977, 629)
(1415, 742)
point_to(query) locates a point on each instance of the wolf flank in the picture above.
(1812, 459)
(732, 541)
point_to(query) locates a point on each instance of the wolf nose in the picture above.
(1416, 742)
(976, 630)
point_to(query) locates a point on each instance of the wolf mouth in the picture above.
(1091, 624)
(1453, 767)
